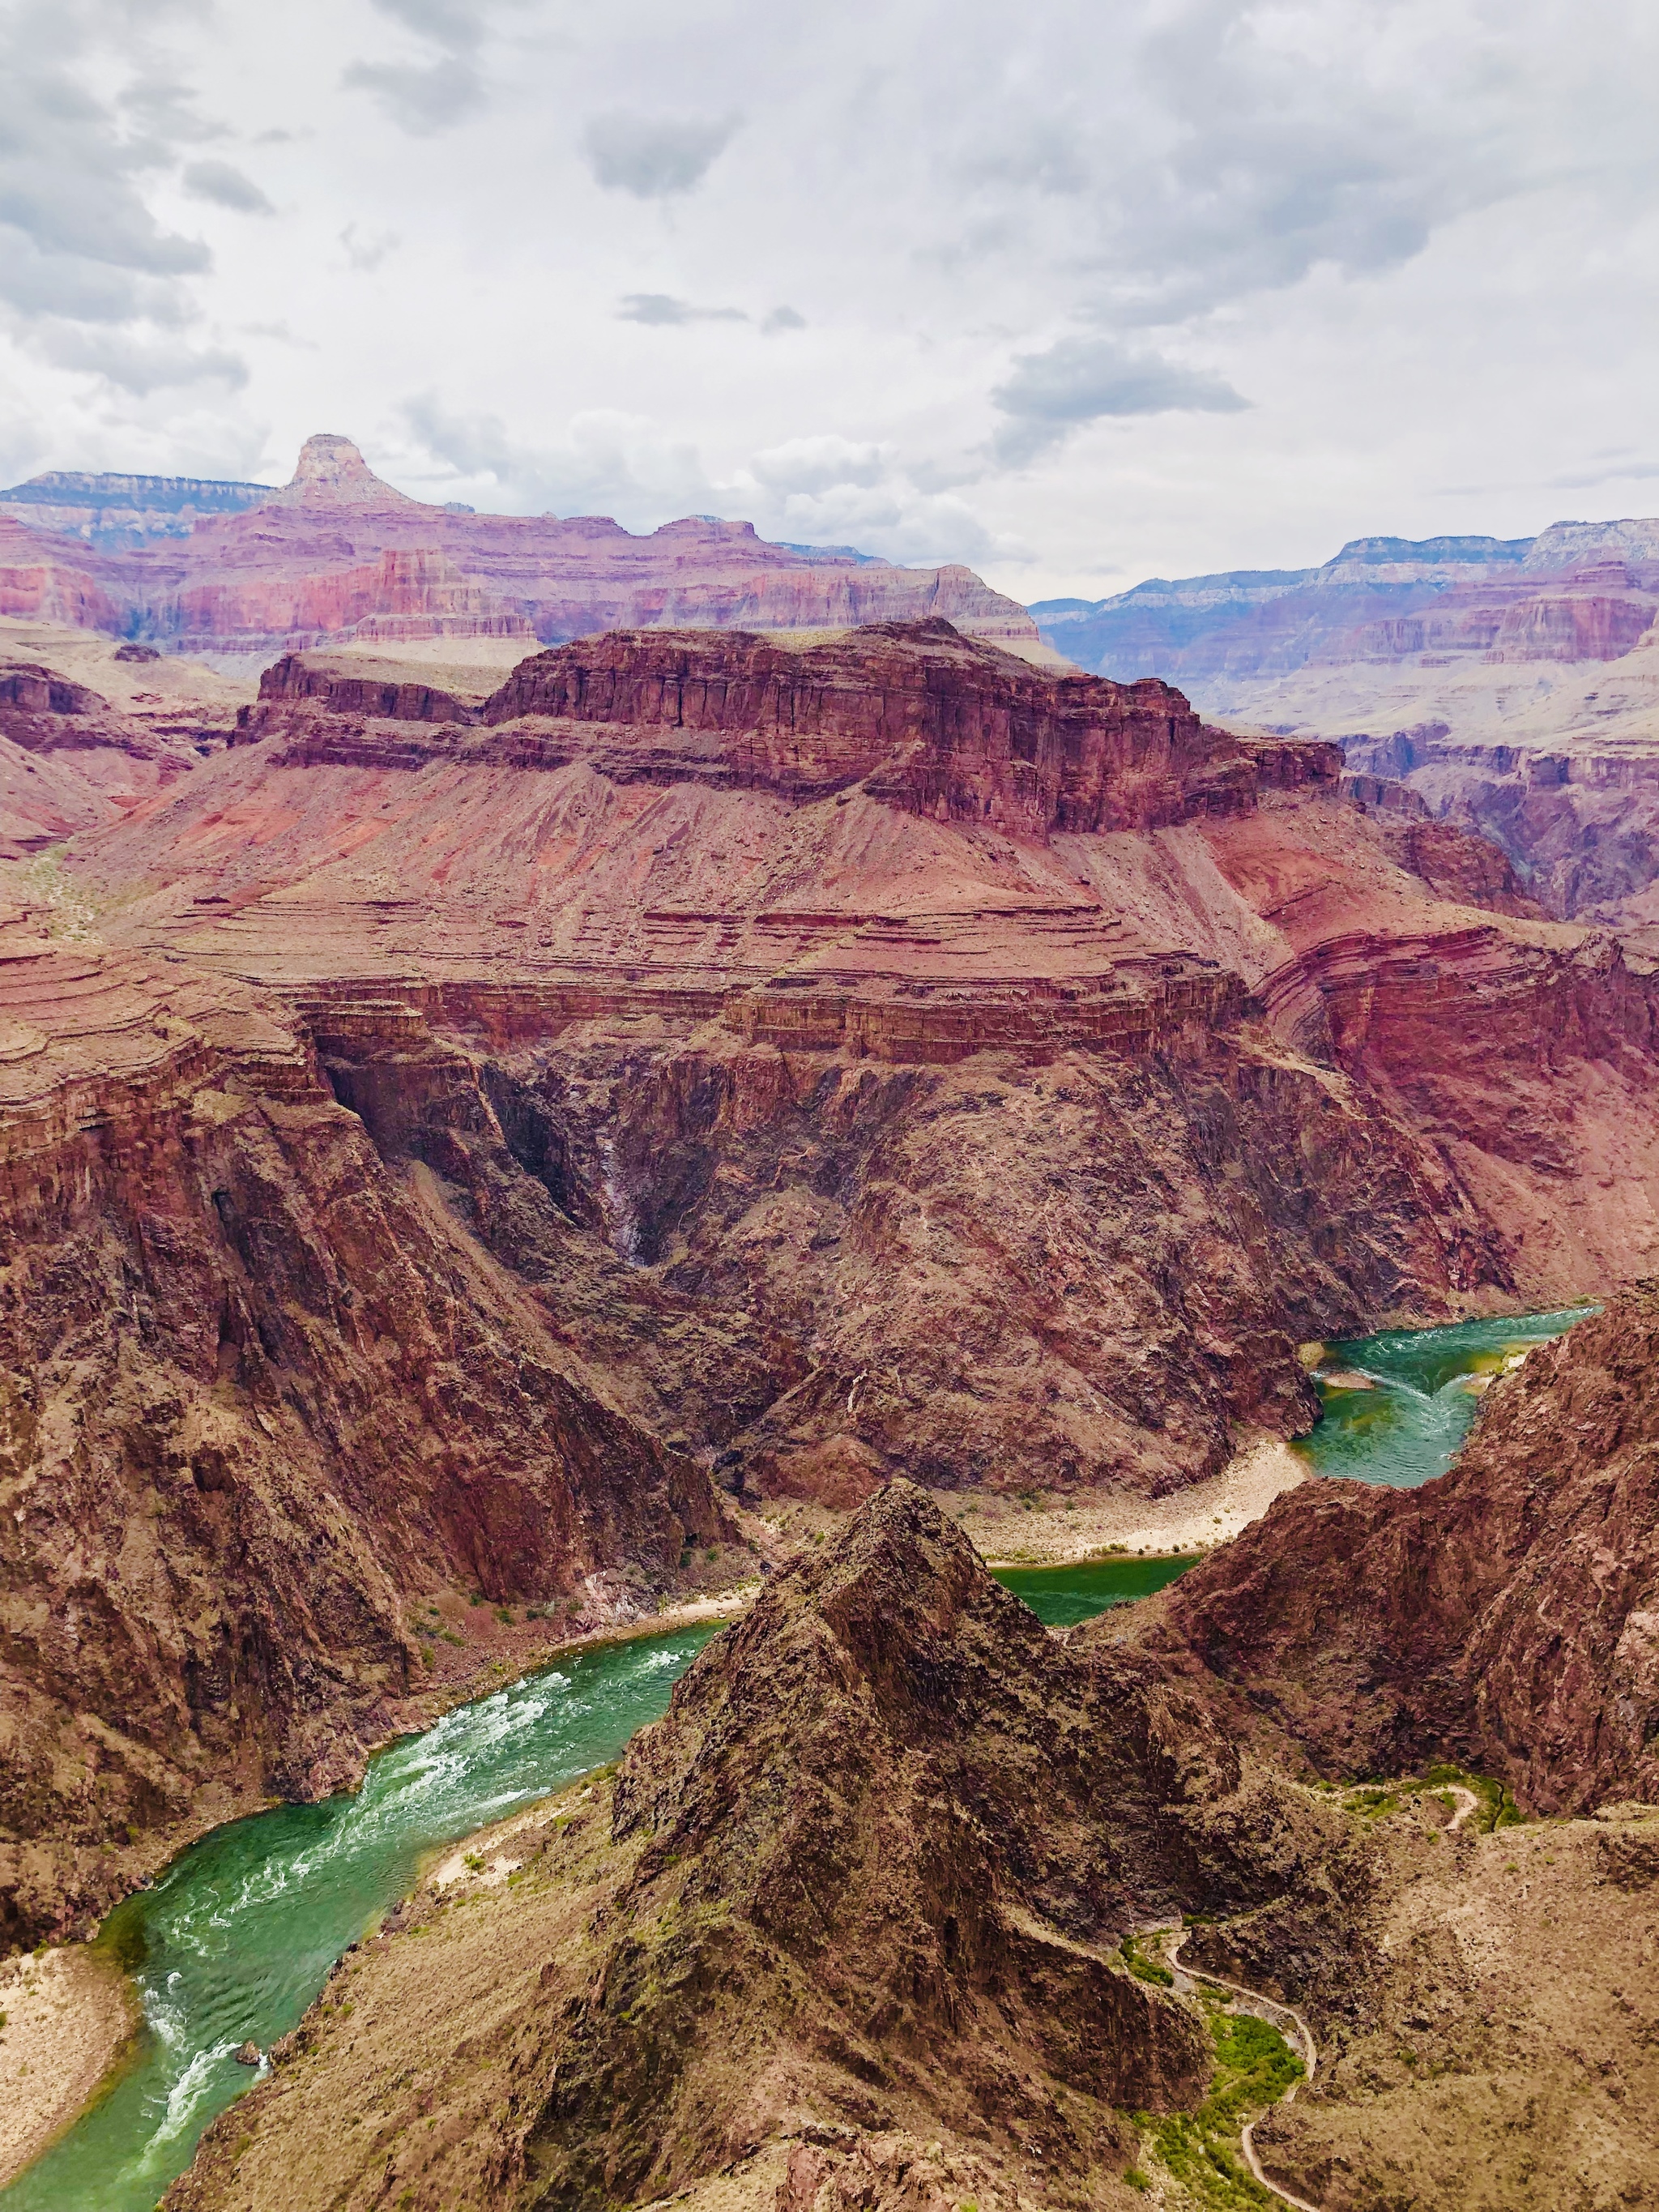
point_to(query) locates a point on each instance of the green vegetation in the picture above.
(1149, 1970)
(1255, 2066)
(1496, 1808)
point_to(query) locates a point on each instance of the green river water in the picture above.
(1422, 1386)
(234, 1940)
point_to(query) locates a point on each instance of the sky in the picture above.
(1076, 293)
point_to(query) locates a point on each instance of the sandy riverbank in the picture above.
(68, 2014)
(1008, 1533)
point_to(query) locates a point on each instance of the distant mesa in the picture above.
(1579, 591)
(337, 554)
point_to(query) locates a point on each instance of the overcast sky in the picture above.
(1075, 293)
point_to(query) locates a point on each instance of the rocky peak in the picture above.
(331, 467)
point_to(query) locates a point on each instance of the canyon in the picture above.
(1508, 687)
(1501, 1617)
(337, 554)
(875, 1917)
(485, 1127)
(850, 1919)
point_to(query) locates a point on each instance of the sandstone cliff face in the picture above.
(957, 730)
(337, 552)
(1010, 1150)
(856, 1919)
(255, 1393)
(1504, 1615)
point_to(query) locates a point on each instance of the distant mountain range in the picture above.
(337, 555)
(1578, 591)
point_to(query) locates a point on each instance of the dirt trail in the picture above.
(1468, 1803)
(1286, 2018)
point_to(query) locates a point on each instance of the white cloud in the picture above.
(1016, 275)
(1078, 379)
(655, 157)
(225, 187)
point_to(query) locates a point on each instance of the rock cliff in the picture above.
(1503, 1616)
(256, 1393)
(853, 1910)
(831, 998)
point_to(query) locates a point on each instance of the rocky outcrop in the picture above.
(336, 692)
(946, 726)
(1503, 1616)
(853, 1926)
(69, 761)
(337, 553)
(256, 1392)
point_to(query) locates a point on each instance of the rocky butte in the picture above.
(335, 554)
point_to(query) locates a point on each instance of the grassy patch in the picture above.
(1254, 2068)
(1149, 1970)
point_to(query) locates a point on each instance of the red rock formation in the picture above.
(336, 693)
(957, 730)
(847, 1925)
(68, 762)
(338, 552)
(1018, 1152)
(1502, 1616)
(47, 578)
(255, 1393)
(1574, 592)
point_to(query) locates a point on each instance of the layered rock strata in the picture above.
(1017, 1066)
(862, 1895)
(255, 1393)
(337, 553)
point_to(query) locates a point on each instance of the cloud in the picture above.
(815, 465)
(661, 310)
(367, 253)
(136, 364)
(91, 281)
(424, 97)
(609, 463)
(420, 97)
(225, 187)
(1079, 379)
(653, 156)
(1625, 472)
(783, 319)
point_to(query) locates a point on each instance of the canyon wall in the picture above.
(848, 1927)
(1576, 592)
(257, 1394)
(811, 999)
(1502, 1617)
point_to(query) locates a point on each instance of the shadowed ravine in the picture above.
(234, 1941)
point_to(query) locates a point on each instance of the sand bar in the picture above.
(1189, 1520)
(68, 2014)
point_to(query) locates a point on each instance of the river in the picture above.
(234, 1940)
(1397, 1406)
